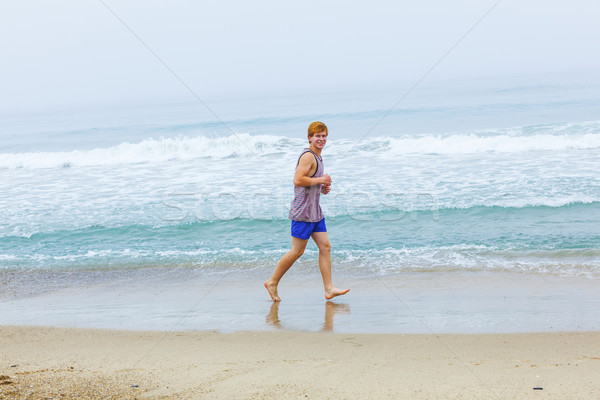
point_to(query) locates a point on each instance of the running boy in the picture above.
(306, 215)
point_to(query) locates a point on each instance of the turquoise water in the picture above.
(562, 240)
(488, 179)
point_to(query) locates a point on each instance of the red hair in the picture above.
(317, 127)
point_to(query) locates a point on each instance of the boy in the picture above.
(306, 215)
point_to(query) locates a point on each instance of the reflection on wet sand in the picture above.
(273, 315)
(331, 308)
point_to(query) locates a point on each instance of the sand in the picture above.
(61, 363)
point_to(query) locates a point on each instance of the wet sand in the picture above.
(190, 300)
(38, 363)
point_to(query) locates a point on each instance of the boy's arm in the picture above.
(301, 177)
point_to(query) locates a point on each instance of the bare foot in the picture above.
(272, 289)
(333, 292)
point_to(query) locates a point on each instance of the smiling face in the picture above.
(318, 140)
(317, 135)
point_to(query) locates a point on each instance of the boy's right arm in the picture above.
(301, 177)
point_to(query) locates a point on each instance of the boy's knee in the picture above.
(325, 247)
(297, 253)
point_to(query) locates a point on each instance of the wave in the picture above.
(385, 261)
(473, 258)
(152, 150)
(429, 204)
(554, 137)
(570, 207)
(472, 143)
(559, 137)
(563, 240)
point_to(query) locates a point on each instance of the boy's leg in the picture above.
(322, 241)
(298, 246)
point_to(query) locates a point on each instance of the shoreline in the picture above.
(43, 362)
(417, 303)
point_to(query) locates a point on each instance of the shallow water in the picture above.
(417, 302)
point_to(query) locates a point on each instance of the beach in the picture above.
(151, 159)
(134, 244)
(181, 335)
(43, 363)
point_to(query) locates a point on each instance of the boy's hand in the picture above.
(325, 189)
(326, 180)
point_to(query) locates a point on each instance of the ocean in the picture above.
(457, 182)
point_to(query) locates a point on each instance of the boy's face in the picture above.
(318, 140)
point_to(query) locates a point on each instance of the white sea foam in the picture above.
(465, 144)
(474, 143)
(385, 261)
(464, 257)
(245, 145)
(151, 150)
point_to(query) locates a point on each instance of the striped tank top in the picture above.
(305, 207)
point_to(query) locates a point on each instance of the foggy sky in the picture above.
(69, 52)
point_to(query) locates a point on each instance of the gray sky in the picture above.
(66, 52)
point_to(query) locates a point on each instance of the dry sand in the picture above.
(61, 363)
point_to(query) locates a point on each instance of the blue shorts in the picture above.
(303, 230)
